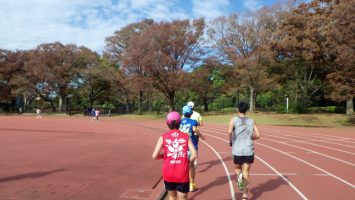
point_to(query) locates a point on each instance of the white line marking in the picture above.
(225, 169)
(308, 142)
(321, 174)
(331, 157)
(312, 134)
(253, 174)
(273, 169)
(299, 159)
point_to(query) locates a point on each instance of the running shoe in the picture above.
(241, 184)
(192, 187)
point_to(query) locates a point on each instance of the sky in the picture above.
(24, 24)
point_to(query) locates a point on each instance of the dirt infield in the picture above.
(72, 158)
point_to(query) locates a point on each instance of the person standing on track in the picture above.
(97, 113)
(173, 148)
(189, 126)
(242, 131)
(195, 115)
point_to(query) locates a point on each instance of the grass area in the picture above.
(308, 120)
(311, 120)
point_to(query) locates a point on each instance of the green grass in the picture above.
(307, 120)
(311, 120)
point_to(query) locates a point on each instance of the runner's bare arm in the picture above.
(197, 132)
(156, 153)
(230, 130)
(257, 133)
(192, 151)
(200, 121)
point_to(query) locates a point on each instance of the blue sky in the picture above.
(28, 23)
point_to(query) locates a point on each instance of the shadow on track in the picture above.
(29, 175)
(270, 185)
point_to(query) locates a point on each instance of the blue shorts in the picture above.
(180, 187)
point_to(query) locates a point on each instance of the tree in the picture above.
(11, 65)
(54, 68)
(339, 30)
(301, 47)
(208, 81)
(94, 83)
(116, 52)
(163, 50)
(244, 42)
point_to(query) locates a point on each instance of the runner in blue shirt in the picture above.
(189, 126)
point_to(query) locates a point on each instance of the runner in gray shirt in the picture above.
(242, 131)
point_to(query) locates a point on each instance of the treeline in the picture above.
(303, 53)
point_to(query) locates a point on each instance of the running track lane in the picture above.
(317, 174)
(265, 186)
(76, 159)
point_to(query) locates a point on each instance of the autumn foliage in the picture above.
(304, 52)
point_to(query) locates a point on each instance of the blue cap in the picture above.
(186, 110)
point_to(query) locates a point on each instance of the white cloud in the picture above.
(28, 23)
(253, 4)
(209, 9)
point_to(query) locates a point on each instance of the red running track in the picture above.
(78, 158)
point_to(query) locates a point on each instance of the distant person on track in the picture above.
(195, 115)
(97, 113)
(173, 148)
(38, 113)
(189, 126)
(92, 113)
(242, 131)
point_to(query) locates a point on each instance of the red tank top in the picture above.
(176, 160)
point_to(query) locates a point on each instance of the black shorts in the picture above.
(180, 187)
(239, 160)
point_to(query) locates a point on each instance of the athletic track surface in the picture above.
(73, 158)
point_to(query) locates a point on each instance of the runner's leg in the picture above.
(172, 194)
(182, 196)
(246, 170)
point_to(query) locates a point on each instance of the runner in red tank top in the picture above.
(175, 145)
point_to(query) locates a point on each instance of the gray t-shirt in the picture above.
(242, 136)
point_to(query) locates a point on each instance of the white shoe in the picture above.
(241, 184)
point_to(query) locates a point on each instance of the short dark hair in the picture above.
(243, 107)
(188, 115)
(173, 125)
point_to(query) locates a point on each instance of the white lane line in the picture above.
(314, 140)
(285, 179)
(311, 134)
(273, 169)
(294, 132)
(253, 174)
(292, 140)
(331, 157)
(301, 160)
(315, 152)
(225, 169)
